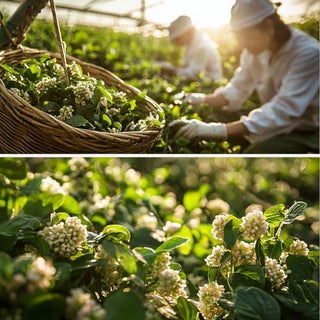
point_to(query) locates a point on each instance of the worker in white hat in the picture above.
(200, 55)
(282, 64)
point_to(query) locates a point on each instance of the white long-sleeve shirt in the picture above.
(287, 84)
(201, 54)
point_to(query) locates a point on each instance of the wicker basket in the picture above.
(26, 129)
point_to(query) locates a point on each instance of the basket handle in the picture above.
(12, 34)
(62, 45)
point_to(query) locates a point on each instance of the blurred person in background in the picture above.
(282, 65)
(200, 54)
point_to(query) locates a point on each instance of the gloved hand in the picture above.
(194, 98)
(192, 129)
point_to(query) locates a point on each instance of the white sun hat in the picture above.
(179, 26)
(248, 13)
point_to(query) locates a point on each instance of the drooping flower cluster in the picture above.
(81, 306)
(161, 263)
(45, 84)
(209, 294)
(65, 238)
(40, 274)
(218, 225)
(275, 273)
(65, 113)
(214, 259)
(243, 253)
(254, 225)
(298, 247)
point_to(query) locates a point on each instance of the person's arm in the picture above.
(236, 129)
(300, 86)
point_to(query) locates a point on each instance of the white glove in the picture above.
(194, 98)
(197, 129)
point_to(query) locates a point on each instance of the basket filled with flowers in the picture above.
(54, 103)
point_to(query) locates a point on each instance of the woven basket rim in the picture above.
(74, 131)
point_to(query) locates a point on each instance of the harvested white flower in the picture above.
(65, 238)
(45, 84)
(83, 91)
(218, 225)
(209, 294)
(254, 225)
(65, 113)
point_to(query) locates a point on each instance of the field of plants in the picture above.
(185, 239)
(132, 56)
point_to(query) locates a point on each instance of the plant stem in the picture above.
(62, 46)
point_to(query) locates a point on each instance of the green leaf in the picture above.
(107, 119)
(132, 104)
(9, 69)
(124, 306)
(227, 301)
(300, 267)
(230, 234)
(70, 205)
(260, 253)
(275, 215)
(296, 210)
(13, 168)
(77, 121)
(144, 254)
(273, 248)
(248, 275)
(62, 276)
(255, 304)
(126, 259)
(185, 232)
(6, 267)
(171, 244)
(17, 223)
(86, 262)
(48, 306)
(191, 200)
(186, 310)
(117, 232)
(106, 93)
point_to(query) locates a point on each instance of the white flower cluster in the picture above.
(21, 93)
(244, 253)
(161, 263)
(110, 274)
(113, 112)
(81, 306)
(104, 204)
(275, 273)
(171, 227)
(77, 164)
(103, 102)
(209, 294)
(45, 84)
(171, 286)
(65, 238)
(218, 225)
(74, 69)
(59, 71)
(217, 206)
(299, 248)
(254, 225)
(147, 221)
(39, 275)
(83, 91)
(119, 95)
(214, 259)
(65, 113)
(51, 185)
(9, 77)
